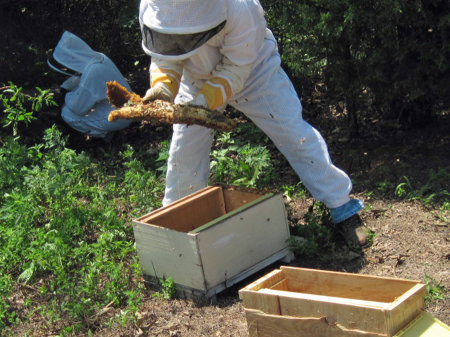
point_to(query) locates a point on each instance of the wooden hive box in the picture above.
(212, 239)
(313, 303)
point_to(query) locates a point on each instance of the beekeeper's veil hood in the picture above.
(177, 28)
(72, 55)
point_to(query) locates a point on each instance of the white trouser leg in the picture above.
(273, 106)
(188, 164)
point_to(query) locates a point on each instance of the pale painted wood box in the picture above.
(212, 239)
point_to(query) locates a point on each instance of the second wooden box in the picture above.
(315, 303)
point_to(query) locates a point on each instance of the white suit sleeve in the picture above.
(234, 74)
(245, 32)
(173, 69)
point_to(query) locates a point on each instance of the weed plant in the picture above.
(435, 291)
(432, 192)
(295, 191)
(239, 159)
(316, 233)
(21, 108)
(65, 231)
(168, 289)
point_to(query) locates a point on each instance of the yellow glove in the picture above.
(216, 92)
(164, 84)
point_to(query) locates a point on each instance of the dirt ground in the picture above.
(411, 239)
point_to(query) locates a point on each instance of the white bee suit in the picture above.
(86, 107)
(260, 89)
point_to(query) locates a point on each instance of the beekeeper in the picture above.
(86, 107)
(218, 52)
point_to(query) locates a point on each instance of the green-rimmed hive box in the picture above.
(212, 239)
(315, 303)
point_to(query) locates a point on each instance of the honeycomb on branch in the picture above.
(131, 106)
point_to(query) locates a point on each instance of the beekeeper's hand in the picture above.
(165, 81)
(158, 91)
(227, 79)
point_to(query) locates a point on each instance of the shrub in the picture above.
(32, 29)
(393, 52)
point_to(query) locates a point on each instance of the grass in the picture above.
(435, 291)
